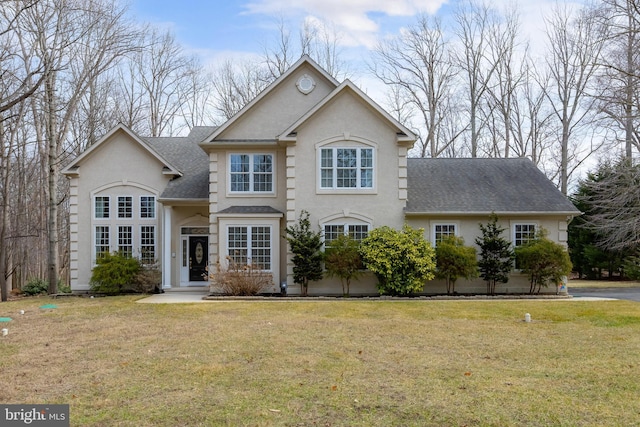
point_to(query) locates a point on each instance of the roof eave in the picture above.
(499, 213)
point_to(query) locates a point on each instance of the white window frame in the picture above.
(252, 174)
(515, 239)
(131, 239)
(346, 230)
(145, 246)
(250, 244)
(95, 208)
(359, 168)
(101, 242)
(435, 233)
(118, 197)
(153, 207)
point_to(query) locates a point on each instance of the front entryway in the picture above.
(194, 257)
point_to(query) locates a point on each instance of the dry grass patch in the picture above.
(356, 363)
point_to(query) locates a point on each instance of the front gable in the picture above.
(121, 149)
(273, 110)
(347, 109)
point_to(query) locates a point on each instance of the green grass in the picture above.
(326, 363)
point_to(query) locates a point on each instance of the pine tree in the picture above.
(496, 254)
(307, 257)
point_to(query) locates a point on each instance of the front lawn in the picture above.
(325, 363)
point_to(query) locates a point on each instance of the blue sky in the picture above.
(219, 29)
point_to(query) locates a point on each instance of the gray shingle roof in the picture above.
(191, 160)
(250, 210)
(481, 185)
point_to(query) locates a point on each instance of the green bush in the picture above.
(342, 259)
(114, 273)
(544, 261)
(305, 245)
(401, 260)
(35, 287)
(455, 260)
(63, 288)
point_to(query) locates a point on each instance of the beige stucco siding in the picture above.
(348, 122)
(119, 167)
(271, 115)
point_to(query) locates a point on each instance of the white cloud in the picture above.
(352, 18)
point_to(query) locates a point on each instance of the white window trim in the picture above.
(155, 207)
(456, 229)
(358, 187)
(235, 193)
(123, 218)
(94, 242)
(249, 247)
(93, 207)
(345, 226)
(155, 241)
(516, 223)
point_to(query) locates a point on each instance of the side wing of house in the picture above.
(454, 196)
(115, 186)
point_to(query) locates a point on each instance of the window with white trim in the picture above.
(523, 234)
(101, 207)
(251, 173)
(356, 231)
(344, 168)
(148, 244)
(125, 240)
(125, 207)
(101, 241)
(147, 207)
(250, 245)
(442, 231)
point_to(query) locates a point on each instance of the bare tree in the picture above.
(575, 48)
(235, 84)
(620, 91)
(475, 24)
(77, 42)
(417, 67)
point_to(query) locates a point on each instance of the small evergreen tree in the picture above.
(496, 254)
(455, 260)
(342, 259)
(307, 257)
(401, 260)
(544, 261)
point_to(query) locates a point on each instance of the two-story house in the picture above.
(307, 142)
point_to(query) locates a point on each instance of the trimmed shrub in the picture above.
(114, 274)
(401, 260)
(305, 246)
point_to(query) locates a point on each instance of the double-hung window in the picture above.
(148, 244)
(101, 241)
(345, 168)
(251, 173)
(250, 245)
(125, 240)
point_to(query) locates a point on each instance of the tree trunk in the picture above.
(52, 222)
